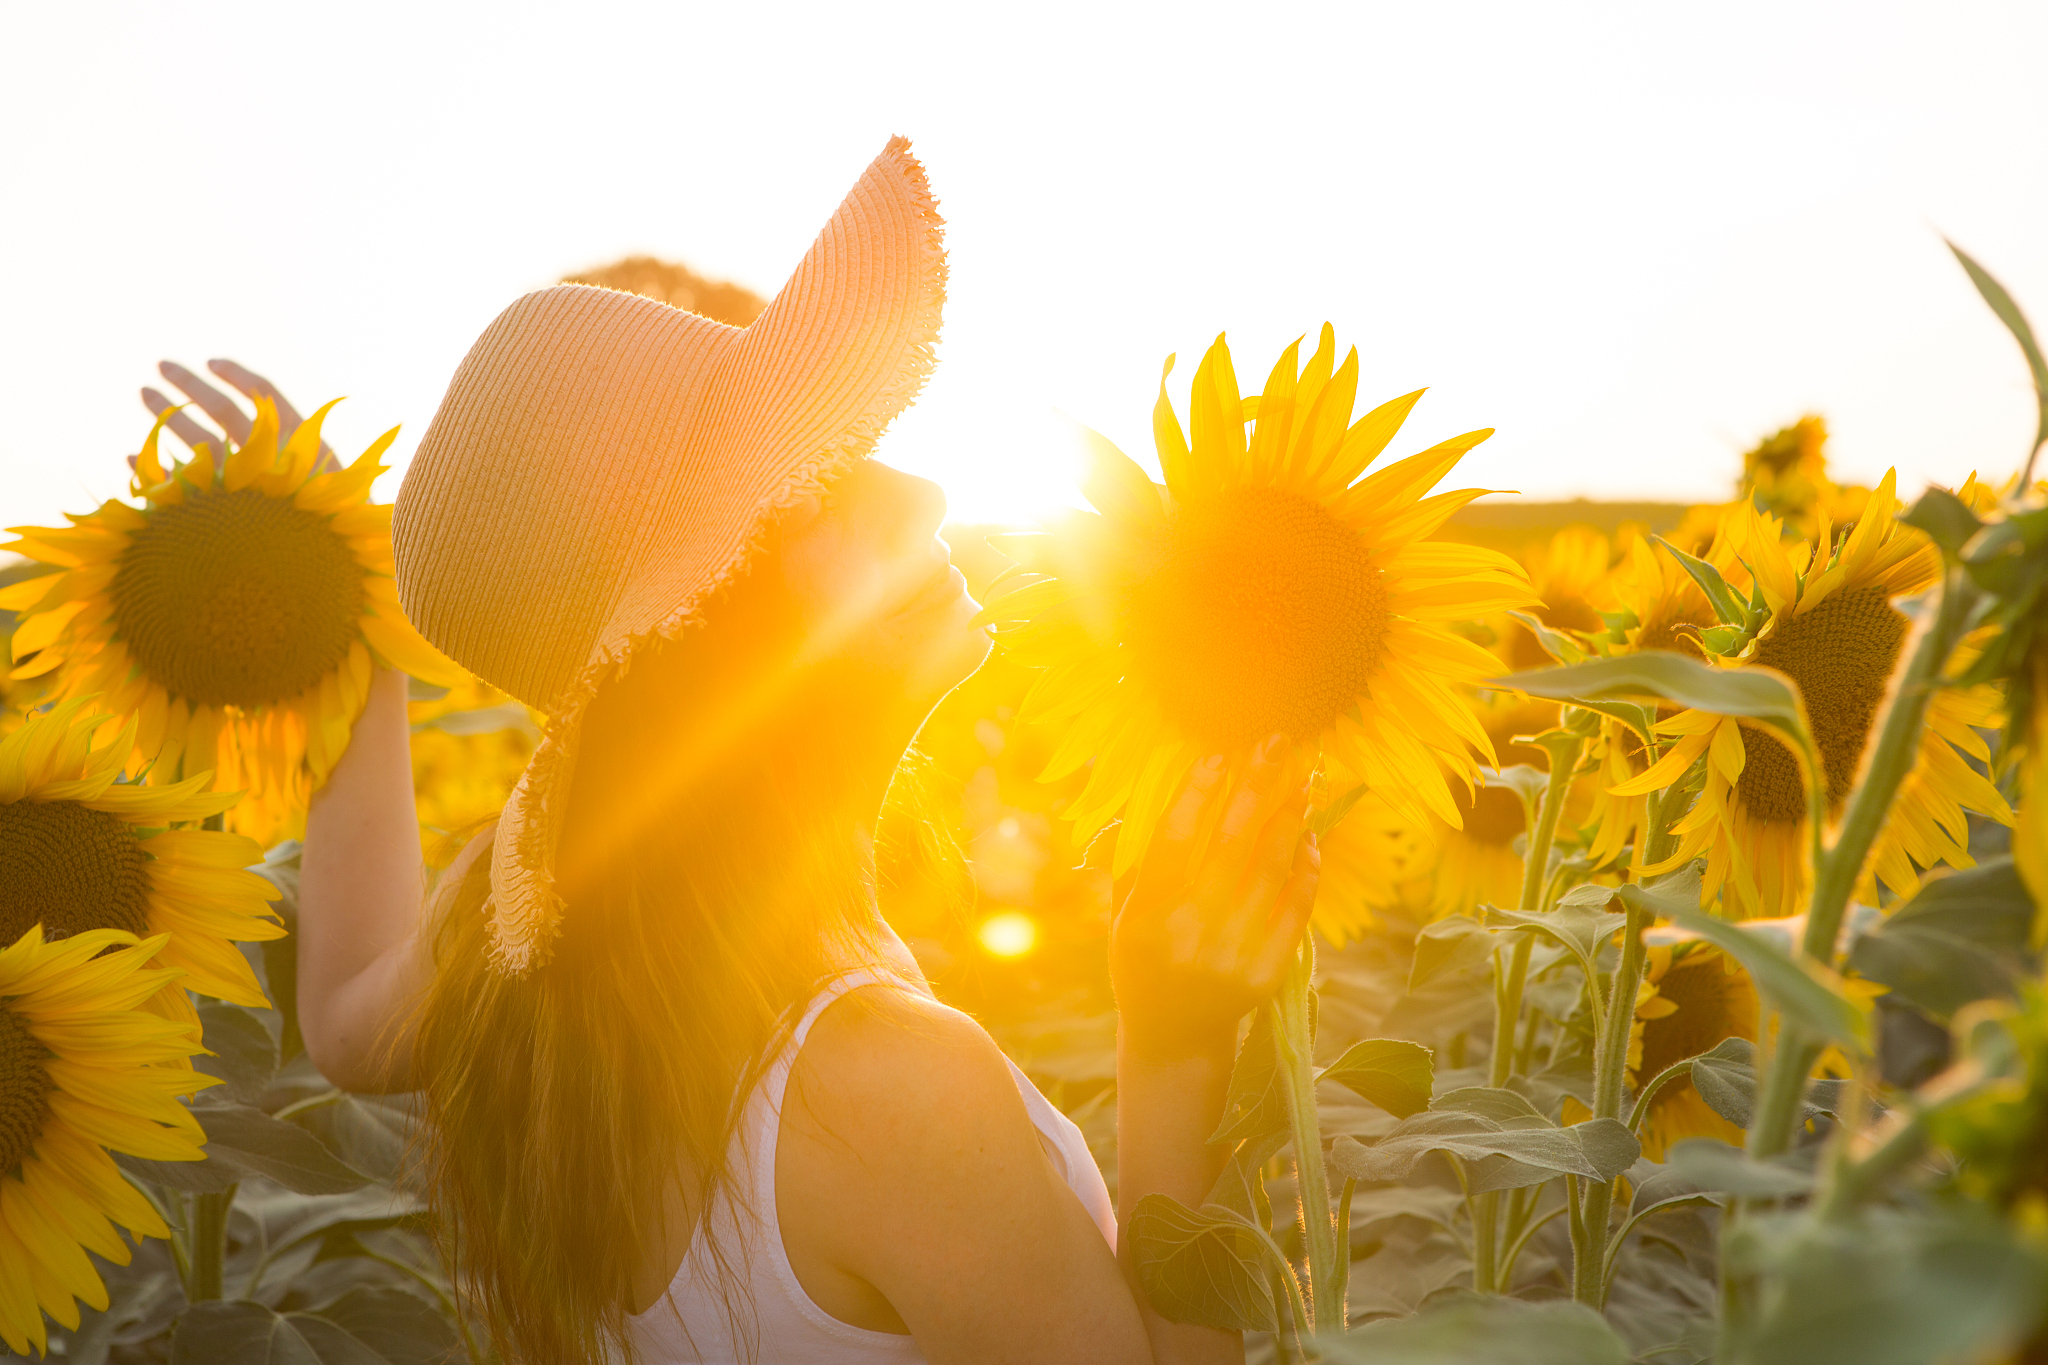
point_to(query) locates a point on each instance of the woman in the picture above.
(691, 1100)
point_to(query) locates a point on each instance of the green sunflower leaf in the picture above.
(243, 1054)
(1728, 605)
(1492, 1328)
(2015, 322)
(1580, 921)
(1208, 1266)
(251, 1141)
(1947, 520)
(1256, 1104)
(1726, 1080)
(1949, 1282)
(1556, 644)
(1711, 1166)
(1394, 1074)
(1497, 1156)
(1962, 938)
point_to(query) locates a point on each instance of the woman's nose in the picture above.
(916, 506)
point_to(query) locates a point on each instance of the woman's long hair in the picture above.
(712, 878)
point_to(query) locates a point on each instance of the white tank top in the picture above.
(690, 1327)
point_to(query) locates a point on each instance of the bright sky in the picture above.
(1632, 237)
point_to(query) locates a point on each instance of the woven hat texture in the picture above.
(603, 463)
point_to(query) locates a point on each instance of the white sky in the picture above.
(1632, 237)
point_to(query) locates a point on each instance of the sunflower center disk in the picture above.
(1841, 654)
(1713, 1004)
(1494, 818)
(25, 1088)
(237, 598)
(69, 869)
(1262, 612)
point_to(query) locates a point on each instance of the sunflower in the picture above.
(1786, 473)
(1475, 861)
(80, 851)
(83, 1067)
(1376, 861)
(1267, 589)
(236, 613)
(1834, 631)
(1692, 997)
(1569, 572)
(468, 748)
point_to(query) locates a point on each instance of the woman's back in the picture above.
(737, 1297)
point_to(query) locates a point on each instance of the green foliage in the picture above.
(1500, 1139)
(1210, 1266)
(1888, 1287)
(1393, 1074)
(2008, 312)
(1962, 938)
(1468, 1328)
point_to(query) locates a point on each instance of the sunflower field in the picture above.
(1675, 991)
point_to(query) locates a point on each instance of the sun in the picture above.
(236, 614)
(1267, 588)
(1833, 629)
(84, 1066)
(81, 851)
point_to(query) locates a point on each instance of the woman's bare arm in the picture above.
(363, 956)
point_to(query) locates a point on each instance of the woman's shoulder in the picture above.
(881, 1055)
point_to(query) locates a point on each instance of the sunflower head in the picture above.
(84, 1066)
(1692, 997)
(1266, 589)
(235, 611)
(1833, 629)
(82, 851)
(1570, 573)
(1786, 473)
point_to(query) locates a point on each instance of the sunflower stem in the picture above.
(1486, 1243)
(1610, 1071)
(1294, 1040)
(1510, 982)
(209, 1244)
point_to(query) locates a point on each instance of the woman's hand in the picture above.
(225, 412)
(1208, 926)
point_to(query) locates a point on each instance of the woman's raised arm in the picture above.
(363, 955)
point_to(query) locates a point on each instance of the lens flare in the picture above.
(1010, 934)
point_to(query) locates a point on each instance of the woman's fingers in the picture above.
(253, 386)
(1289, 921)
(181, 425)
(288, 419)
(1168, 861)
(1249, 891)
(1270, 782)
(215, 404)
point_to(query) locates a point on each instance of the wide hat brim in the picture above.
(604, 464)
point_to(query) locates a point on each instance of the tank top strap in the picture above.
(764, 1106)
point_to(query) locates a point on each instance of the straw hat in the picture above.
(603, 463)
